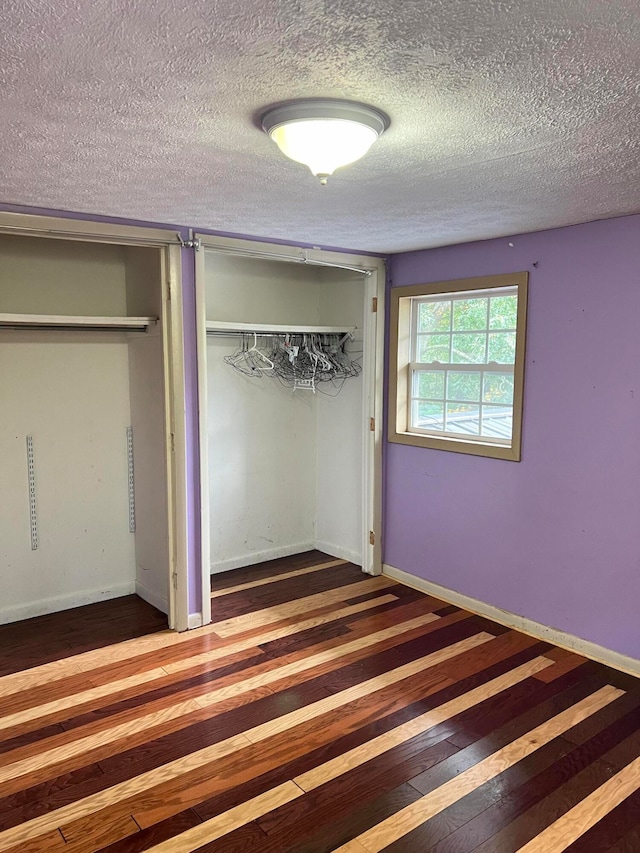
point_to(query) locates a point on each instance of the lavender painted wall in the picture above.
(556, 537)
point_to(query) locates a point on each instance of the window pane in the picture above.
(497, 422)
(427, 415)
(502, 347)
(469, 314)
(433, 348)
(498, 388)
(434, 316)
(463, 419)
(468, 348)
(463, 386)
(503, 312)
(428, 383)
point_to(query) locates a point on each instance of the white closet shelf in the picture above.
(72, 321)
(276, 329)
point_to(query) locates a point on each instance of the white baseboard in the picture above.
(260, 557)
(337, 551)
(160, 602)
(195, 621)
(520, 623)
(64, 602)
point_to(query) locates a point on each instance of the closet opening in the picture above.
(87, 340)
(290, 399)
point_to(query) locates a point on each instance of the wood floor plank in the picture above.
(37, 827)
(587, 813)
(287, 721)
(262, 639)
(379, 837)
(392, 717)
(229, 590)
(146, 838)
(561, 667)
(218, 826)
(260, 618)
(102, 834)
(37, 763)
(610, 830)
(268, 568)
(51, 842)
(376, 746)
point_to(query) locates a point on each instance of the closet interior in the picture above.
(285, 409)
(83, 440)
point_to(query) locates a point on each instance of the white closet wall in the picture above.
(147, 399)
(75, 393)
(285, 468)
(340, 455)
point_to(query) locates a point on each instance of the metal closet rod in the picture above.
(231, 333)
(301, 259)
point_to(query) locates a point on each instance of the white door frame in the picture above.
(59, 228)
(373, 360)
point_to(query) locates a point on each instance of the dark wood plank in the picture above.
(33, 642)
(268, 569)
(498, 816)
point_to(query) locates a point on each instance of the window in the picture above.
(457, 365)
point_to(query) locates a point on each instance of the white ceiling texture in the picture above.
(505, 116)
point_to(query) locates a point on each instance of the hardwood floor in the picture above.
(322, 710)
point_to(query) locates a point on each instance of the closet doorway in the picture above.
(290, 372)
(91, 380)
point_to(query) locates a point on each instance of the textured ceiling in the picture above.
(506, 116)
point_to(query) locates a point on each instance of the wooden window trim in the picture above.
(400, 358)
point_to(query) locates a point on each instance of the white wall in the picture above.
(71, 392)
(43, 276)
(74, 400)
(262, 463)
(146, 387)
(285, 468)
(339, 511)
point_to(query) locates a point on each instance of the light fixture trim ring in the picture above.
(319, 108)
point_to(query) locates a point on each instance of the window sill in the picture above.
(455, 445)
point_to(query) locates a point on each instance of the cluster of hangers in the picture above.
(299, 361)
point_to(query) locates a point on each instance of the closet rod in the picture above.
(301, 259)
(90, 236)
(220, 333)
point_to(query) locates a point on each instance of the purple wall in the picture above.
(556, 537)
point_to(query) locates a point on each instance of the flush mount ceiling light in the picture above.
(324, 134)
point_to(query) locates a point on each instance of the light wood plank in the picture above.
(279, 633)
(75, 700)
(51, 842)
(578, 820)
(270, 674)
(141, 646)
(418, 725)
(268, 615)
(40, 826)
(422, 810)
(37, 766)
(232, 819)
(180, 767)
(336, 700)
(251, 681)
(229, 590)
